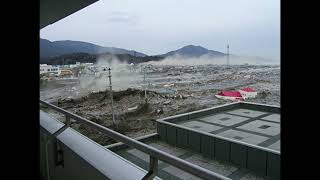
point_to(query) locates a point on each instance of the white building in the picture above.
(44, 68)
(87, 64)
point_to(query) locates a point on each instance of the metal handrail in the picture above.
(153, 152)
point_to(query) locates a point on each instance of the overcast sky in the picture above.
(251, 27)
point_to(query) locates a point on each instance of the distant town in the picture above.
(63, 71)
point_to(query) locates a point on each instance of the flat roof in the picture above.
(256, 127)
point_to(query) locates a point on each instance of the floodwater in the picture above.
(170, 90)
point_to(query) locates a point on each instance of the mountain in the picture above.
(50, 49)
(193, 51)
(92, 58)
(69, 52)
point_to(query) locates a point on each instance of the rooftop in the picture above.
(259, 128)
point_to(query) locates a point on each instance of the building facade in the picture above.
(44, 68)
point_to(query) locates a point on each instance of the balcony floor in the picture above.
(167, 171)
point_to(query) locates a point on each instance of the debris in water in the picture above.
(167, 102)
(168, 85)
(133, 108)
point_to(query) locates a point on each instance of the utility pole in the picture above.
(228, 55)
(144, 80)
(111, 97)
(134, 61)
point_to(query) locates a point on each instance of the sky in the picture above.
(250, 27)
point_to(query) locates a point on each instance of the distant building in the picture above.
(44, 68)
(66, 73)
(64, 66)
(73, 65)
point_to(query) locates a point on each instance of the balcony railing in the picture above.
(155, 154)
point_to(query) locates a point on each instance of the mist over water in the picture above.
(126, 75)
(203, 60)
(123, 75)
